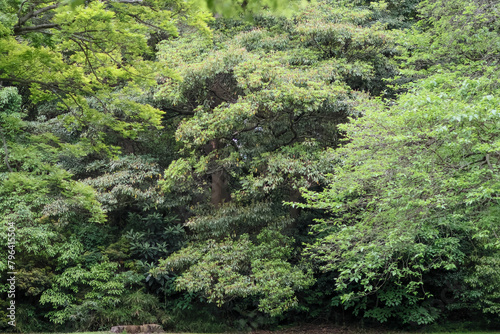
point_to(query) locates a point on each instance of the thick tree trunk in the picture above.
(220, 188)
(220, 191)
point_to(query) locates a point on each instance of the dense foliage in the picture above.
(261, 164)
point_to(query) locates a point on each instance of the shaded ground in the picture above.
(320, 329)
(332, 329)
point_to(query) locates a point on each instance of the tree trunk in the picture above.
(220, 189)
(295, 196)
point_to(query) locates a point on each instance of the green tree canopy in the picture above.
(257, 111)
(414, 191)
(413, 199)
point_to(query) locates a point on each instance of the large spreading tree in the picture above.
(258, 108)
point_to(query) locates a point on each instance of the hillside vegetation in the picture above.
(237, 165)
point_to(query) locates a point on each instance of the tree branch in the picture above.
(179, 111)
(136, 17)
(86, 58)
(21, 7)
(47, 85)
(250, 128)
(221, 98)
(25, 30)
(32, 13)
(487, 158)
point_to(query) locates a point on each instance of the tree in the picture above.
(414, 192)
(37, 197)
(463, 37)
(414, 195)
(69, 53)
(248, 8)
(73, 77)
(257, 110)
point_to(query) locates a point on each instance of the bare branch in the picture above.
(25, 30)
(21, 7)
(32, 13)
(136, 17)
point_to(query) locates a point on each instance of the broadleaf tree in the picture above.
(259, 105)
(413, 198)
(73, 81)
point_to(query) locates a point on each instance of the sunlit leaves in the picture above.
(455, 36)
(414, 183)
(222, 270)
(261, 106)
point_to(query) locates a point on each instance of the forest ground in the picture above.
(320, 329)
(323, 329)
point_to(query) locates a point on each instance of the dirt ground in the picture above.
(319, 329)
